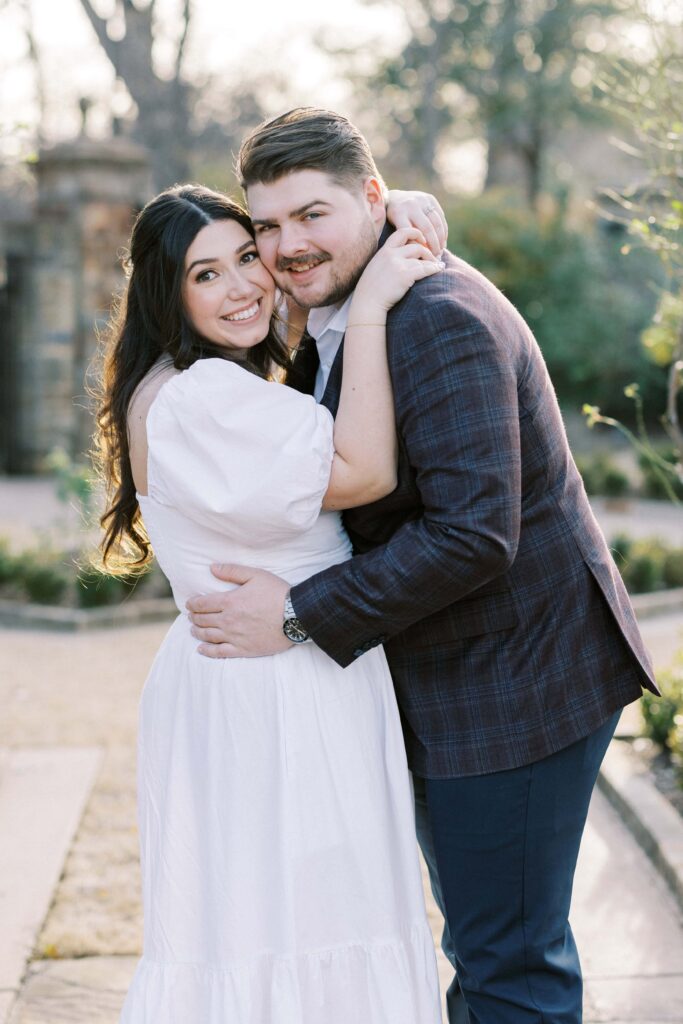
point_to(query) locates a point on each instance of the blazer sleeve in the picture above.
(457, 411)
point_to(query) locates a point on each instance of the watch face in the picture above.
(294, 631)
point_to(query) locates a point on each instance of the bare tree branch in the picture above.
(110, 46)
(187, 17)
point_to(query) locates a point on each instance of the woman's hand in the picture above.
(403, 259)
(419, 210)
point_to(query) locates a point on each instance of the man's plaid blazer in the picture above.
(505, 621)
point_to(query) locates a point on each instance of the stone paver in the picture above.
(42, 795)
(88, 991)
(627, 926)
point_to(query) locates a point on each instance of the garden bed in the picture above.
(663, 773)
(21, 615)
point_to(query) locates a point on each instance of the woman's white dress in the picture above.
(280, 874)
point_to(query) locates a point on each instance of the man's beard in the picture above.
(342, 283)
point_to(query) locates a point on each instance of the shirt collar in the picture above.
(329, 318)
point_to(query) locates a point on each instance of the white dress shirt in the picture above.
(327, 325)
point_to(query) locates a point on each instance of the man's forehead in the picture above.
(286, 195)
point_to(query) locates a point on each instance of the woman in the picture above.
(280, 874)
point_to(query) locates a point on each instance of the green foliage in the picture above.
(663, 716)
(661, 338)
(655, 485)
(586, 307)
(602, 476)
(643, 570)
(95, 589)
(44, 575)
(647, 564)
(673, 568)
(75, 481)
(621, 546)
(646, 95)
(8, 562)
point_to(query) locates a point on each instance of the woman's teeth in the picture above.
(244, 314)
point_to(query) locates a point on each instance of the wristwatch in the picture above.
(292, 627)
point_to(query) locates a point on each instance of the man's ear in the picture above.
(374, 194)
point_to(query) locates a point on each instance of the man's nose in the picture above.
(292, 240)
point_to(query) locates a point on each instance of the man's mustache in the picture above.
(284, 263)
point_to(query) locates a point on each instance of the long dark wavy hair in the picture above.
(151, 322)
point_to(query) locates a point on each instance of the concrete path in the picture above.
(82, 691)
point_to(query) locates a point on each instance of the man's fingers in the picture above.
(219, 651)
(233, 573)
(206, 604)
(209, 635)
(205, 619)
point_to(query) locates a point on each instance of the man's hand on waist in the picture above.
(242, 623)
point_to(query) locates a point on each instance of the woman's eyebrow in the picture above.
(195, 263)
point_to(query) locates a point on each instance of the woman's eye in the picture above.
(312, 215)
(248, 257)
(205, 275)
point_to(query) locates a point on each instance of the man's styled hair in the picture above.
(306, 138)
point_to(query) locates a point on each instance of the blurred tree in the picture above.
(163, 123)
(518, 69)
(648, 96)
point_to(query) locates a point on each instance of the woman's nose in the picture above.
(237, 285)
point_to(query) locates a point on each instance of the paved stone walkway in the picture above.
(82, 691)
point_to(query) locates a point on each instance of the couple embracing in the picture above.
(464, 608)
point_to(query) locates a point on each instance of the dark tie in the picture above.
(302, 375)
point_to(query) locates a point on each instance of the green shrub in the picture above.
(585, 302)
(663, 715)
(643, 569)
(675, 742)
(9, 563)
(621, 546)
(653, 487)
(44, 575)
(96, 589)
(673, 568)
(647, 565)
(601, 476)
(643, 574)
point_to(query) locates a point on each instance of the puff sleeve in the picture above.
(237, 453)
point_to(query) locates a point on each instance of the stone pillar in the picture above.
(88, 194)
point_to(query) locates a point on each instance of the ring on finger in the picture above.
(429, 209)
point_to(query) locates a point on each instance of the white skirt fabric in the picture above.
(279, 861)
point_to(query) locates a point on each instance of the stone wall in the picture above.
(66, 270)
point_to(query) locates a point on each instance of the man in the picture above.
(510, 637)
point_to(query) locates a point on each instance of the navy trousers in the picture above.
(501, 851)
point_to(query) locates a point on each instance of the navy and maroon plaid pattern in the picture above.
(505, 621)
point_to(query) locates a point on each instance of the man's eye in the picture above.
(262, 228)
(312, 215)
